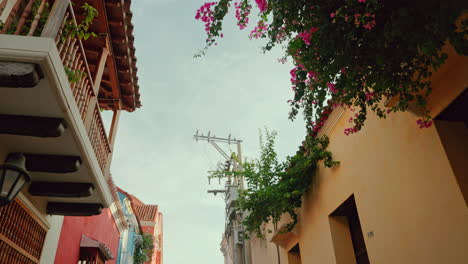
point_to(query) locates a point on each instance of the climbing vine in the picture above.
(81, 30)
(276, 188)
(144, 251)
(74, 76)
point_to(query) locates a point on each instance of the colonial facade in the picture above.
(150, 220)
(54, 83)
(132, 235)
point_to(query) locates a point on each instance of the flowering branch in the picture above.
(356, 53)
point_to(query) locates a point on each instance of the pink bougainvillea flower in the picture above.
(332, 15)
(369, 96)
(242, 14)
(262, 5)
(332, 88)
(351, 130)
(369, 25)
(205, 14)
(361, 1)
(312, 75)
(259, 31)
(424, 123)
(307, 35)
(293, 73)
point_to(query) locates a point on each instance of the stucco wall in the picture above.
(149, 230)
(405, 191)
(265, 252)
(262, 250)
(52, 239)
(101, 227)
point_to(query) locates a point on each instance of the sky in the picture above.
(234, 89)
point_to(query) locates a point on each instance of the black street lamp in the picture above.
(13, 176)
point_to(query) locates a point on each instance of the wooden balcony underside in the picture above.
(52, 105)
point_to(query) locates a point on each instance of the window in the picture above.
(452, 126)
(294, 255)
(93, 251)
(90, 256)
(348, 240)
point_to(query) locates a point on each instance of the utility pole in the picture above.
(234, 233)
(236, 161)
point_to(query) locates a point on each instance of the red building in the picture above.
(75, 230)
(92, 237)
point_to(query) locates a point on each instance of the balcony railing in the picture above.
(47, 18)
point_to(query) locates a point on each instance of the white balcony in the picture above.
(53, 96)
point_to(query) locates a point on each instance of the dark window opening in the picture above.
(294, 255)
(347, 233)
(452, 126)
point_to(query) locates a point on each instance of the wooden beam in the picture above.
(112, 4)
(61, 189)
(74, 209)
(93, 52)
(18, 74)
(100, 69)
(121, 57)
(114, 125)
(125, 83)
(108, 100)
(115, 23)
(52, 163)
(114, 81)
(31, 126)
(54, 21)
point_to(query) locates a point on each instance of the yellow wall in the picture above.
(406, 194)
(405, 191)
(263, 251)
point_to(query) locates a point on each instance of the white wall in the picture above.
(52, 238)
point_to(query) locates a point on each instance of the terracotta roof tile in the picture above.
(144, 212)
(147, 212)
